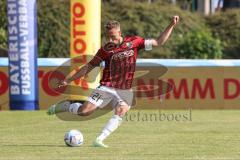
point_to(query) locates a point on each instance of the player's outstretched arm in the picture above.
(97, 59)
(76, 75)
(163, 37)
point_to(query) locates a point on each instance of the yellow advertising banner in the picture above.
(85, 41)
(190, 87)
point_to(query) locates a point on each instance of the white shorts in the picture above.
(104, 95)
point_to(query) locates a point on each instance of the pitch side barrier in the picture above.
(196, 84)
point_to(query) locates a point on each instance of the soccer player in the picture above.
(119, 55)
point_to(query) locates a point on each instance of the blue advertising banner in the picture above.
(22, 48)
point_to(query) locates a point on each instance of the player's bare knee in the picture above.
(84, 113)
(121, 110)
(86, 109)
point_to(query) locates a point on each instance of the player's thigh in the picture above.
(125, 96)
(100, 97)
(122, 101)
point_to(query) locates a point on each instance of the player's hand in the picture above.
(175, 20)
(62, 84)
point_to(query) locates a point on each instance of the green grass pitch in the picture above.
(210, 135)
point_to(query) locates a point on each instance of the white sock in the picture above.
(74, 108)
(111, 126)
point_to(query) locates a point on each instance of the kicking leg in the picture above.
(98, 98)
(84, 109)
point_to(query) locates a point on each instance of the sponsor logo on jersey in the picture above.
(122, 55)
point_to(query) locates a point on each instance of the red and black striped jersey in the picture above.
(120, 62)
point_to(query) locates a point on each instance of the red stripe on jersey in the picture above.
(120, 63)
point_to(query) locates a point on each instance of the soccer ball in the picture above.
(73, 138)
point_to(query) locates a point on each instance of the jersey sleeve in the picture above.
(98, 58)
(139, 42)
(142, 43)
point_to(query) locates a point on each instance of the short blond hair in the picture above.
(112, 24)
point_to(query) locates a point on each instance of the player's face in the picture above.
(114, 35)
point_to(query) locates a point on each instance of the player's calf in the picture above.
(114, 122)
(75, 108)
(59, 107)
